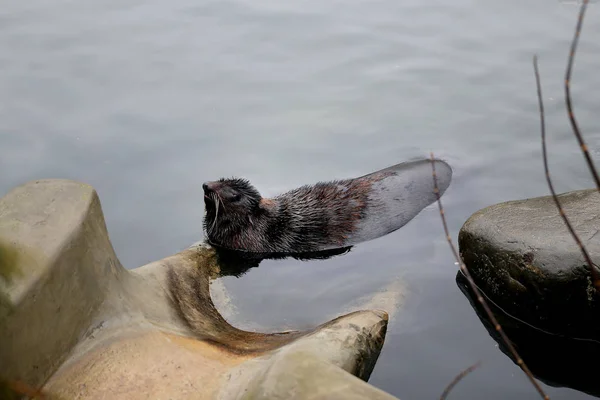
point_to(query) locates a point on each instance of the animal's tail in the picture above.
(397, 195)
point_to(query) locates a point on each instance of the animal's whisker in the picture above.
(216, 201)
(222, 202)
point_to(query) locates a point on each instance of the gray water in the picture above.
(145, 100)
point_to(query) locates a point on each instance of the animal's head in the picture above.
(229, 204)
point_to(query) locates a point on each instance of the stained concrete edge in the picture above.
(58, 230)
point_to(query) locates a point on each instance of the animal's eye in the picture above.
(236, 197)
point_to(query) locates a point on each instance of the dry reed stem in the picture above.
(458, 378)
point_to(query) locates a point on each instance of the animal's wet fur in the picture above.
(307, 219)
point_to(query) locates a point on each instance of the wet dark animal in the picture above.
(322, 216)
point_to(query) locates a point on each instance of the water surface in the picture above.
(145, 100)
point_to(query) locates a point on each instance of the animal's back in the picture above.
(346, 212)
(322, 215)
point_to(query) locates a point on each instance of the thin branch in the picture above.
(561, 211)
(574, 125)
(480, 298)
(458, 378)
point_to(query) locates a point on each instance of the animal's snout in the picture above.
(209, 187)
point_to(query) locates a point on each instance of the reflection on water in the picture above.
(556, 360)
(237, 263)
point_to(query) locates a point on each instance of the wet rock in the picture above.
(523, 258)
(78, 323)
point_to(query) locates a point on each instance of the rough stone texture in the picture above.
(66, 265)
(303, 375)
(522, 256)
(80, 324)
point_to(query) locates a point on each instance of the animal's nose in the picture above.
(208, 187)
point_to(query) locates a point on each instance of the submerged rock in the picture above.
(80, 325)
(523, 258)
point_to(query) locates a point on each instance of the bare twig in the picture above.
(590, 163)
(577, 132)
(574, 125)
(458, 378)
(480, 298)
(561, 211)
